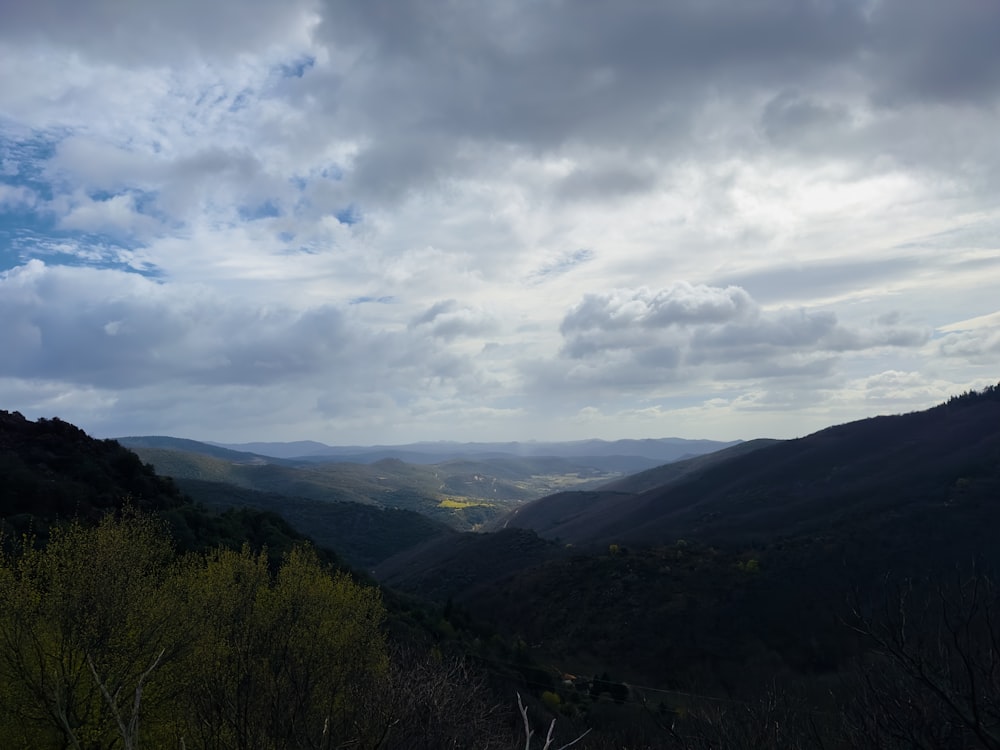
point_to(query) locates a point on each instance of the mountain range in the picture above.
(725, 569)
(655, 451)
(374, 507)
(746, 557)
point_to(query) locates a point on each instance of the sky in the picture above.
(383, 221)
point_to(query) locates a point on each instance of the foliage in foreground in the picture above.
(110, 640)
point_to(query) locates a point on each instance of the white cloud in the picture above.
(112, 329)
(16, 196)
(979, 346)
(509, 197)
(684, 327)
(116, 216)
(449, 320)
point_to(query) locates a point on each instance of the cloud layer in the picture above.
(384, 221)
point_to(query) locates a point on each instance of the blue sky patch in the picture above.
(563, 264)
(349, 215)
(266, 210)
(23, 160)
(365, 299)
(66, 249)
(297, 68)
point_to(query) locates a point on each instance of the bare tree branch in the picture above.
(549, 738)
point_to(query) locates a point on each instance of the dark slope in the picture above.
(661, 476)
(53, 469)
(363, 535)
(463, 564)
(776, 542)
(570, 515)
(880, 469)
(53, 472)
(163, 442)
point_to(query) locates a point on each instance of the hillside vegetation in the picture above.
(363, 535)
(106, 624)
(121, 598)
(463, 493)
(882, 472)
(833, 591)
(741, 565)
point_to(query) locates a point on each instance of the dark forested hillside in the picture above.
(53, 472)
(119, 595)
(363, 535)
(744, 564)
(661, 476)
(836, 590)
(887, 471)
(51, 468)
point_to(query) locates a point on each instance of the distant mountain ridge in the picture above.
(463, 492)
(877, 469)
(750, 556)
(466, 485)
(165, 442)
(658, 450)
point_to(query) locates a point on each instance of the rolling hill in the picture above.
(641, 454)
(747, 559)
(723, 572)
(886, 470)
(363, 535)
(464, 492)
(53, 472)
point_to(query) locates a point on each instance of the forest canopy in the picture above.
(110, 639)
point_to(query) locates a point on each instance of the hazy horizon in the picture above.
(417, 442)
(370, 223)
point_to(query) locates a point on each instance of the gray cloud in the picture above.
(929, 50)
(980, 346)
(791, 118)
(149, 32)
(691, 331)
(828, 170)
(449, 320)
(605, 183)
(444, 86)
(806, 281)
(629, 76)
(111, 329)
(682, 304)
(434, 311)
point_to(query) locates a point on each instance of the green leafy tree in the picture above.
(283, 661)
(84, 627)
(106, 625)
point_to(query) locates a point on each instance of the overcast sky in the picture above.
(379, 221)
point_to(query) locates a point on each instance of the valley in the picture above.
(760, 566)
(370, 510)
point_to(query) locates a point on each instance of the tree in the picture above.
(934, 681)
(84, 626)
(284, 661)
(432, 701)
(529, 733)
(106, 624)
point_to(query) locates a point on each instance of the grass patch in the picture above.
(464, 502)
